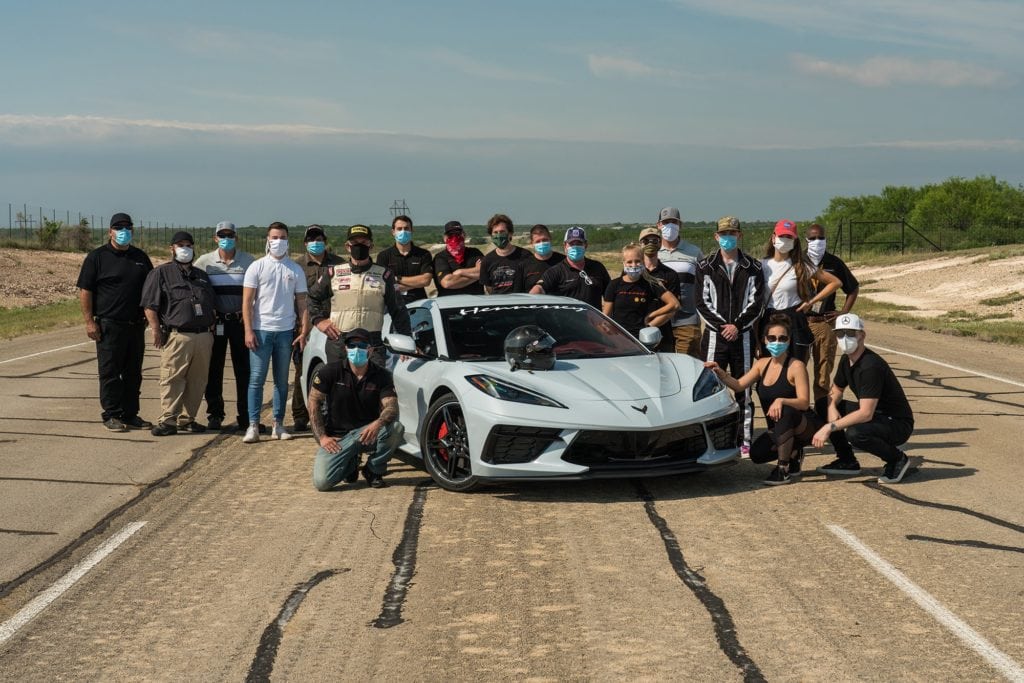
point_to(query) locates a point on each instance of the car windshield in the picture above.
(478, 332)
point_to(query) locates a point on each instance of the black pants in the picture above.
(881, 437)
(735, 357)
(765, 447)
(299, 412)
(119, 353)
(234, 336)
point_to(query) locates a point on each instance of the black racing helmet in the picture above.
(529, 347)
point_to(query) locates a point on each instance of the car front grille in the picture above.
(622, 450)
(507, 444)
(725, 431)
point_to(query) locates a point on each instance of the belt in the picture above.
(230, 317)
(191, 330)
(140, 321)
(816, 319)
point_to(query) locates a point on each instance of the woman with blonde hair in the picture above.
(636, 299)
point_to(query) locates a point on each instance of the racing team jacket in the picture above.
(739, 302)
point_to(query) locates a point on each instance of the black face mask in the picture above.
(360, 252)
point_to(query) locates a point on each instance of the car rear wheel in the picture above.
(446, 446)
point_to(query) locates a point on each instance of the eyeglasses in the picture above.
(845, 333)
(357, 345)
(773, 338)
(814, 239)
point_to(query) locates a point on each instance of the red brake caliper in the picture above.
(441, 433)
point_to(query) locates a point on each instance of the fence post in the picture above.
(903, 237)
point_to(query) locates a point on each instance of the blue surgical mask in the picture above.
(123, 237)
(727, 242)
(226, 243)
(403, 236)
(358, 357)
(777, 348)
(576, 253)
(542, 248)
(316, 247)
(633, 271)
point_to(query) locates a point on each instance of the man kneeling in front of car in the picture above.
(362, 415)
(879, 422)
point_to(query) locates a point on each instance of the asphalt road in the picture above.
(242, 570)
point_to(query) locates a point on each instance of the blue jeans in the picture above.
(276, 345)
(330, 468)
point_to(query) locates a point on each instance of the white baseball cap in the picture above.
(849, 321)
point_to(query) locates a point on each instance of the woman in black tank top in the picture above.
(784, 391)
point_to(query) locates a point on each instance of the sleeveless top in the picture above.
(782, 388)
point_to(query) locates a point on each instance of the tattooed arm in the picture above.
(388, 414)
(316, 421)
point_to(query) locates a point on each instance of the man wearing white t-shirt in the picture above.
(273, 294)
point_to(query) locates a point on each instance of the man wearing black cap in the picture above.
(226, 266)
(457, 268)
(362, 414)
(412, 265)
(178, 300)
(355, 295)
(110, 285)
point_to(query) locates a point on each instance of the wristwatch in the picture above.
(833, 426)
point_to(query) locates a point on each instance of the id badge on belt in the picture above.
(219, 329)
(198, 309)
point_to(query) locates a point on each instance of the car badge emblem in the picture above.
(640, 410)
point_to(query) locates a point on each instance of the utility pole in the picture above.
(399, 208)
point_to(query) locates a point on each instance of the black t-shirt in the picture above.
(352, 402)
(534, 268)
(871, 377)
(632, 301)
(834, 265)
(504, 274)
(587, 285)
(445, 264)
(416, 262)
(115, 279)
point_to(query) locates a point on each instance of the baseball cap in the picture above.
(849, 321)
(648, 232)
(785, 228)
(453, 226)
(182, 236)
(314, 231)
(359, 231)
(669, 213)
(728, 223)
(120, 219)
(575, 233)
(358, 333)
(225, 227)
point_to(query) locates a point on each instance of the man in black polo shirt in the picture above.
(362, 414)
(457, 268)
(110, 287)
(413, 266)
(577, 277)
(879, 422)
(543, 256)
(501, 271)
(178, 300)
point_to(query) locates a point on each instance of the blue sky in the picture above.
(588, 111)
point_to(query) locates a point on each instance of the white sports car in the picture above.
(608, 406)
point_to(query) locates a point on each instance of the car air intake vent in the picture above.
(725, 431)
(624, 451)
(507, 444)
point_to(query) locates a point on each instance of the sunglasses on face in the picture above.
(651, 240)
(773, 338)
(357, 345)
(840, 334)
(811, 238)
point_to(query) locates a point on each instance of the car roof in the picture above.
(470, 300)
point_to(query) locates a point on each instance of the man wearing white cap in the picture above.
(881, 419)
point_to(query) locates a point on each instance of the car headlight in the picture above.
(707, 385)
(510, 392)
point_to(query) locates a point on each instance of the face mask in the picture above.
(783, 245)
(278, 248)
(360, 252)
(848, 345)
(542, 248)
(649, 248)
(727, 242)
(576, 253)
(500, 239)
(670, 232)
(226, 243)
(633, 271)
(316, 247)
(358, 357)
(183, 254)
(815, 250)
(403, 236)
(456, 246)
(777, 348)
(123, 237)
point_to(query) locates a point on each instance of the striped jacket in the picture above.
(738, 302)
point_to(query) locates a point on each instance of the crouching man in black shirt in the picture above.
(879, 422)
(362, 414)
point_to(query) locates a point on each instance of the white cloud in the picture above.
(474, 67)
(604, 66)
(244, 44)
(887, 71)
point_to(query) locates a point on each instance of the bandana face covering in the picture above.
(456, 245)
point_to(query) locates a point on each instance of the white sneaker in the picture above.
(279, 433)
(252, 434)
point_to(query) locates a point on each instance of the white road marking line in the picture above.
(41, 353)
(951, 367)
(43, 600)
(974, 640)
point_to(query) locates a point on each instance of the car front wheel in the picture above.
(446, 445)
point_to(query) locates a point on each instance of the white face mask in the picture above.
(783, 245)
(183, 254)
(847, 345)
(277, 247)
(670, 232)
(815, 250)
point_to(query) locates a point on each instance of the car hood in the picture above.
(631, 378)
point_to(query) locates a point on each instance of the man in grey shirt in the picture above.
(682, 257)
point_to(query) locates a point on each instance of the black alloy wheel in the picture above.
(445, 445)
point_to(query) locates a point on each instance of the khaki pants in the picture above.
(688, 340)
(823, 352)
(184, 369)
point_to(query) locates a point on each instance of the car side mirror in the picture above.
(401, 344)
(650, 337)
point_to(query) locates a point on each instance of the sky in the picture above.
(587, 111)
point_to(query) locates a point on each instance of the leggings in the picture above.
(793, 431)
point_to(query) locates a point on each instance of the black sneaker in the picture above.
(779, 476)
(164, 430)
(840, 466)
(352, 476)
(215, 423)
(374, 480)
(894, 471)
(137, 423)
(796, 463)
(115, 424)
(300, 426)
(194, 427)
